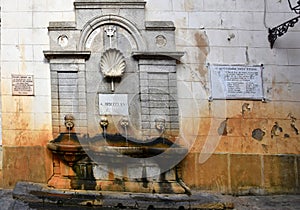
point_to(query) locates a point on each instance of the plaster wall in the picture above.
(26, 120)
(219, 133)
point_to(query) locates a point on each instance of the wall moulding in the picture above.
(109, 5)
(158, 55)
(62, 26)
(49, 54)
(106, 4)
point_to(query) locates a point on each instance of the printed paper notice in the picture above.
(22, 85)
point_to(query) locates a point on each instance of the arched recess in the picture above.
(113, 20)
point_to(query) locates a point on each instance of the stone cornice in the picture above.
(102, 4)
(159, 26)
(157, 55)
(62, 26)
(52, 54)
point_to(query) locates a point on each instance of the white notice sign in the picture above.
(113, 104)
(22, 85)
(236, 82)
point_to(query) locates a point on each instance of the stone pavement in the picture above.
(29, 196)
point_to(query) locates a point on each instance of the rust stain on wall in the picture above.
(26, 163)
(256, 127)
(203, 46)
(202, 42)
(188, 5)
(22, 49)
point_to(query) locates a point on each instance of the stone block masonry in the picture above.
(243, 174)
(158, 97)
(68, 93)
(208, 31)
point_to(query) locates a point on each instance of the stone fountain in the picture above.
(114, 110)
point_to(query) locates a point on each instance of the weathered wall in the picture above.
(242, 135)
(209, 31)
(26, 120)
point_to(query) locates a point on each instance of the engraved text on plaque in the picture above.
(236, 82)
(113, 104)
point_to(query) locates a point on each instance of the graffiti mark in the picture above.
(276, 130)
(293, 123)
(295, 129)
(245, 108)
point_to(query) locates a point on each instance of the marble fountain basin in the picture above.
(71, 149)
(67, 147)
(100, 162)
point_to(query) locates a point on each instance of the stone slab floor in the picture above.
(210, 201)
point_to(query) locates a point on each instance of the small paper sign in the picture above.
(22, 85)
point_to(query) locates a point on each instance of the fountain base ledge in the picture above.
(161, 187)
(39, 196)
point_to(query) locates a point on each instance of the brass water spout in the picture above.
(160, 124)
(124, 122)
(104, 122)
(69, 122)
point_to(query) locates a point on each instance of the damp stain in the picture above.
(222, 130)
(202, 42)
(203, 47)
(189, 6)
(265, 148)
(247, 55)
(258, 134)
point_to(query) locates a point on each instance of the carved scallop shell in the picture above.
(112, 63)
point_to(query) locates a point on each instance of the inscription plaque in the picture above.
(113, 104)
(22, 85)
(236, 82)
